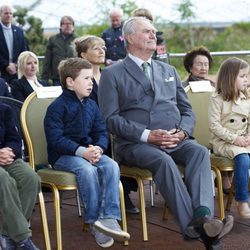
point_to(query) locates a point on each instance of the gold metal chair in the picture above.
(200, 103)
(16, 108)
(32, 116)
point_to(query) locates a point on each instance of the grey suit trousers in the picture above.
(182, 198)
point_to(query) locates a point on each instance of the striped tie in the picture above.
(145, 69)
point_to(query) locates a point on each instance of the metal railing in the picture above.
(219, 53)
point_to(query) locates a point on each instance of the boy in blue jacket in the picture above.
(77, 137)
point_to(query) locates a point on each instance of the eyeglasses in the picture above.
(67, 23)
(200, 64)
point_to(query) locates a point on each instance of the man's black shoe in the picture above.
(213, 243)
(130, 208)
(210, 227)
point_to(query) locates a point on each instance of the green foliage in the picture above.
(233, 38)
(91, 29)
(185, 9)
(128, 7)
(34, 34)
(33, 30)
(20, 15)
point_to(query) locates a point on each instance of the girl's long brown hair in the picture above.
(227, 75)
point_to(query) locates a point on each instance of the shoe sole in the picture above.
(227, 226)
(107, 244)
(191, 233)
(213, 228)
(119, 236)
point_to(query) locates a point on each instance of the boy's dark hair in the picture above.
(188, 59)
(71, 67)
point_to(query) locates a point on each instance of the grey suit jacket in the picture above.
(130, 105)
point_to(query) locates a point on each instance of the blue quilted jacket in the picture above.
(70, 123)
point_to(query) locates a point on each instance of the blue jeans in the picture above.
(98, 185)
(241, 175)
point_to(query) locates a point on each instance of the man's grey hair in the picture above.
(116, 11)
(128, 27)
(3, 7)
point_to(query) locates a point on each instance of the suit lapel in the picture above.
(157, 80)
(15, 39)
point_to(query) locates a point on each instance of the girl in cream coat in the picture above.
(229, 122)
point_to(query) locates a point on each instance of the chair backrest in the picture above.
(32, 115)
(200, 103)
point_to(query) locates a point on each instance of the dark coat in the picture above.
(70, 123)
(21, 89)
(4, 91)
(9, 136)
(114, 42)
(94, 93)
(58, 49)
(19, 45)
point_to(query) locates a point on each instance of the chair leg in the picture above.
(220, 192)
(212, 179)
(123, 211)
(143, 210)
(78, 203)
(165, 212)
(56, 197)
(151, 193)
(44, 221)
(230, 198)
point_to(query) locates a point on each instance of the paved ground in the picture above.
(162, 234)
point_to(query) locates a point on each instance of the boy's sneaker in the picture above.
(7, 243)
(111, 228)
(26, 244)
(101, 239)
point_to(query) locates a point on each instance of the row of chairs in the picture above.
(32, 115)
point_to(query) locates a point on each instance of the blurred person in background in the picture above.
(197, 63)
(28, 66)
(113, 38)
(58, 48)
(12, 43)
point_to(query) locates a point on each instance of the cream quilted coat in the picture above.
(227, 120)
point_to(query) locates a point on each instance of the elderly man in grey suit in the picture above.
(147, 110)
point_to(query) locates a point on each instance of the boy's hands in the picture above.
(92, 154)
